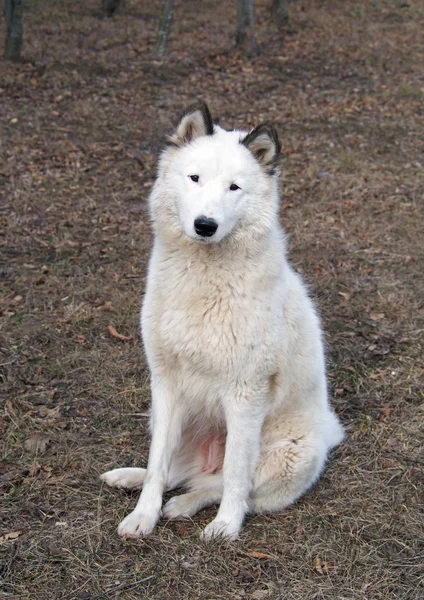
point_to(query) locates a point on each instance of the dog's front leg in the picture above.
(166, 434)
(244, 419)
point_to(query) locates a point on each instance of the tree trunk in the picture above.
(280, 12)
(245, 33)
(13, 40)
(164, 28)
(110, 6)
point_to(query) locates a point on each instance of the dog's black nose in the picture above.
(205, 227)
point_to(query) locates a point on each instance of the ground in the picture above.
(82, 120)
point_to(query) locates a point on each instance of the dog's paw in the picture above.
(127, 478)
(179, 507)
(137, 524)
(220, 529)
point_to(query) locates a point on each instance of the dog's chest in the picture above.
(203, 320)
(198, 324)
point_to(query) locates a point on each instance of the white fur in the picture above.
(233, 344)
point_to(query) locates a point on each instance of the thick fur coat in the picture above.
(240, 414)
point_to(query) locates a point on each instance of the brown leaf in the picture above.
(345, 295)
(326, 566)
(377, 316)
(37, 443)
(322, 567)
(12, 535)
(388, 464)
(119, 336)
(106, 306)
(386, 411)
(260, 555)
(49, 413)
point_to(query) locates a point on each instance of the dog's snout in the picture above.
(205, 227)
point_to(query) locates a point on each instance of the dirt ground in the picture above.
(82, 119)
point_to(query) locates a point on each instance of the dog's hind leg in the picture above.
(286, 471)
(205, 491)
(132, 478)
(128, 478)
(185, 464)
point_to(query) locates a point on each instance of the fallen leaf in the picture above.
(386, 411)
(377, 316)
(37, 443)
(12, 535)
(81, 339)
(260, 555)
(119, 336)
(49, 413)
(322, 567)
(345, 295)
(106, 306)
(388, 464)
(183, 532)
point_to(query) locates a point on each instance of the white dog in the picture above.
(240, 414)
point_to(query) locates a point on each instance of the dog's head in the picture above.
(214, 183)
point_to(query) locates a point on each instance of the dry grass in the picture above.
(81, 121)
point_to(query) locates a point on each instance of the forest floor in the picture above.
(82, 120)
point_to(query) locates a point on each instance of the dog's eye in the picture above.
(234, 187)
(194, 178)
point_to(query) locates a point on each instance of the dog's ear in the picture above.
(195, 122)
(265, 146)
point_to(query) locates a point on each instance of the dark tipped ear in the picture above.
(195, 122)
(265, 146)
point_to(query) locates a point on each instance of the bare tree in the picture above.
(245, 32)
(13, 40)
(110, 6)
(280, 12)
(164, 28)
